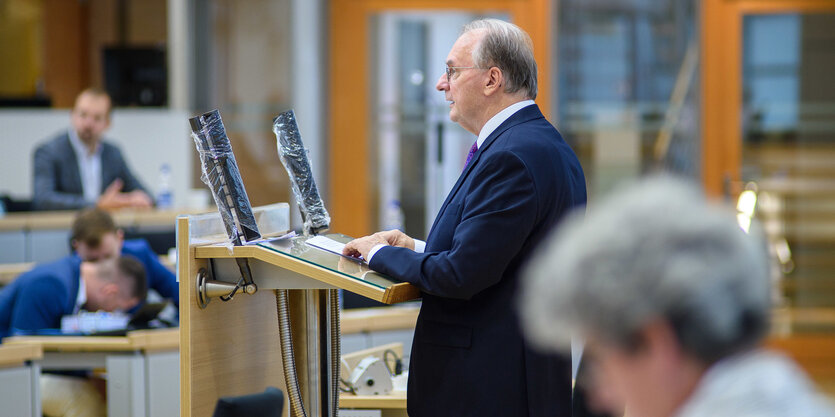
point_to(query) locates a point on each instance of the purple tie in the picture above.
(470, 154)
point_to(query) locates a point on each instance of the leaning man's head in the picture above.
(94, 235)
(114, 284)
(657, 281)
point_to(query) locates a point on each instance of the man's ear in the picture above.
(495, 81)
(120, 235)
(74, 244)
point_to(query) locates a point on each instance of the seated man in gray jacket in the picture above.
(78, 169)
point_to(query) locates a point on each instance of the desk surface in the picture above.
(144, 340)
(396, 399)
(43, 220)
(379, 319)
(14, 355)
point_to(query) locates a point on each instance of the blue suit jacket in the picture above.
(57, 182)
(468, 356)
(38, 299)
(160, 278)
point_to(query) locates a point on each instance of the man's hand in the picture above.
(397, 238)
(138, 199)
(114, 198)
(361, 247)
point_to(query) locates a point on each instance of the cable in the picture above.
(336, 349)
(398, 363)
(349, 387)
(288, 359)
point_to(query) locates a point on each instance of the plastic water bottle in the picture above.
(165, 198)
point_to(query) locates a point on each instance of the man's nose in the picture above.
(442, 84)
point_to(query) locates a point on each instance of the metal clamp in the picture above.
(207, 288)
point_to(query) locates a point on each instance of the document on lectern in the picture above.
(330, 245)
(327, 244)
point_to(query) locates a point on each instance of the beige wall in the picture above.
(20, 45)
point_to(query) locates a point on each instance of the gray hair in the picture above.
(509, 48)
(656, 250)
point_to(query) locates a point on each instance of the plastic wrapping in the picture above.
(293, 156)
(220, 173)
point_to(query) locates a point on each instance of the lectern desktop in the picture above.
(233, 348)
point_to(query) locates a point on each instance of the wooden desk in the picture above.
(19, 380)
(44, 235)
(392, 405)
(379, 319)
(44, 220)
(131, 362)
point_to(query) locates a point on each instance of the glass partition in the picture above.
(788, 123)
(619, 65)
(298, 248)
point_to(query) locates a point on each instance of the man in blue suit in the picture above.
(468, 357)
(94, 236)
(78, 169)
(38, 299)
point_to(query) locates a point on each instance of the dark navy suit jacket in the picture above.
(37, 299)
(160, 278)
(57, 182)
(468, 356)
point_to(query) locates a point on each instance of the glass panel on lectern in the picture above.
(272, 220)
(298, 249)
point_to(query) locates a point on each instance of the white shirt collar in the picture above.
(80, 148)
(81, 298)
(499, 118)
(89, 166)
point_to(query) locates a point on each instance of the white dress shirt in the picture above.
(485, 132)
(89, 167)
(758, 383)
(81, 298)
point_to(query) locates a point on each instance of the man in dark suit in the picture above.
(78, 169)
(94, 236)
(468, 357)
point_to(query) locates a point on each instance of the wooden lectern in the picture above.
(233, 348)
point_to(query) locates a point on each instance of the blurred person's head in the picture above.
(114, 284)
(658, 282)
(90, 115)
(490, 67)
(94, 235)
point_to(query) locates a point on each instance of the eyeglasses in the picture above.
(450, 71)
